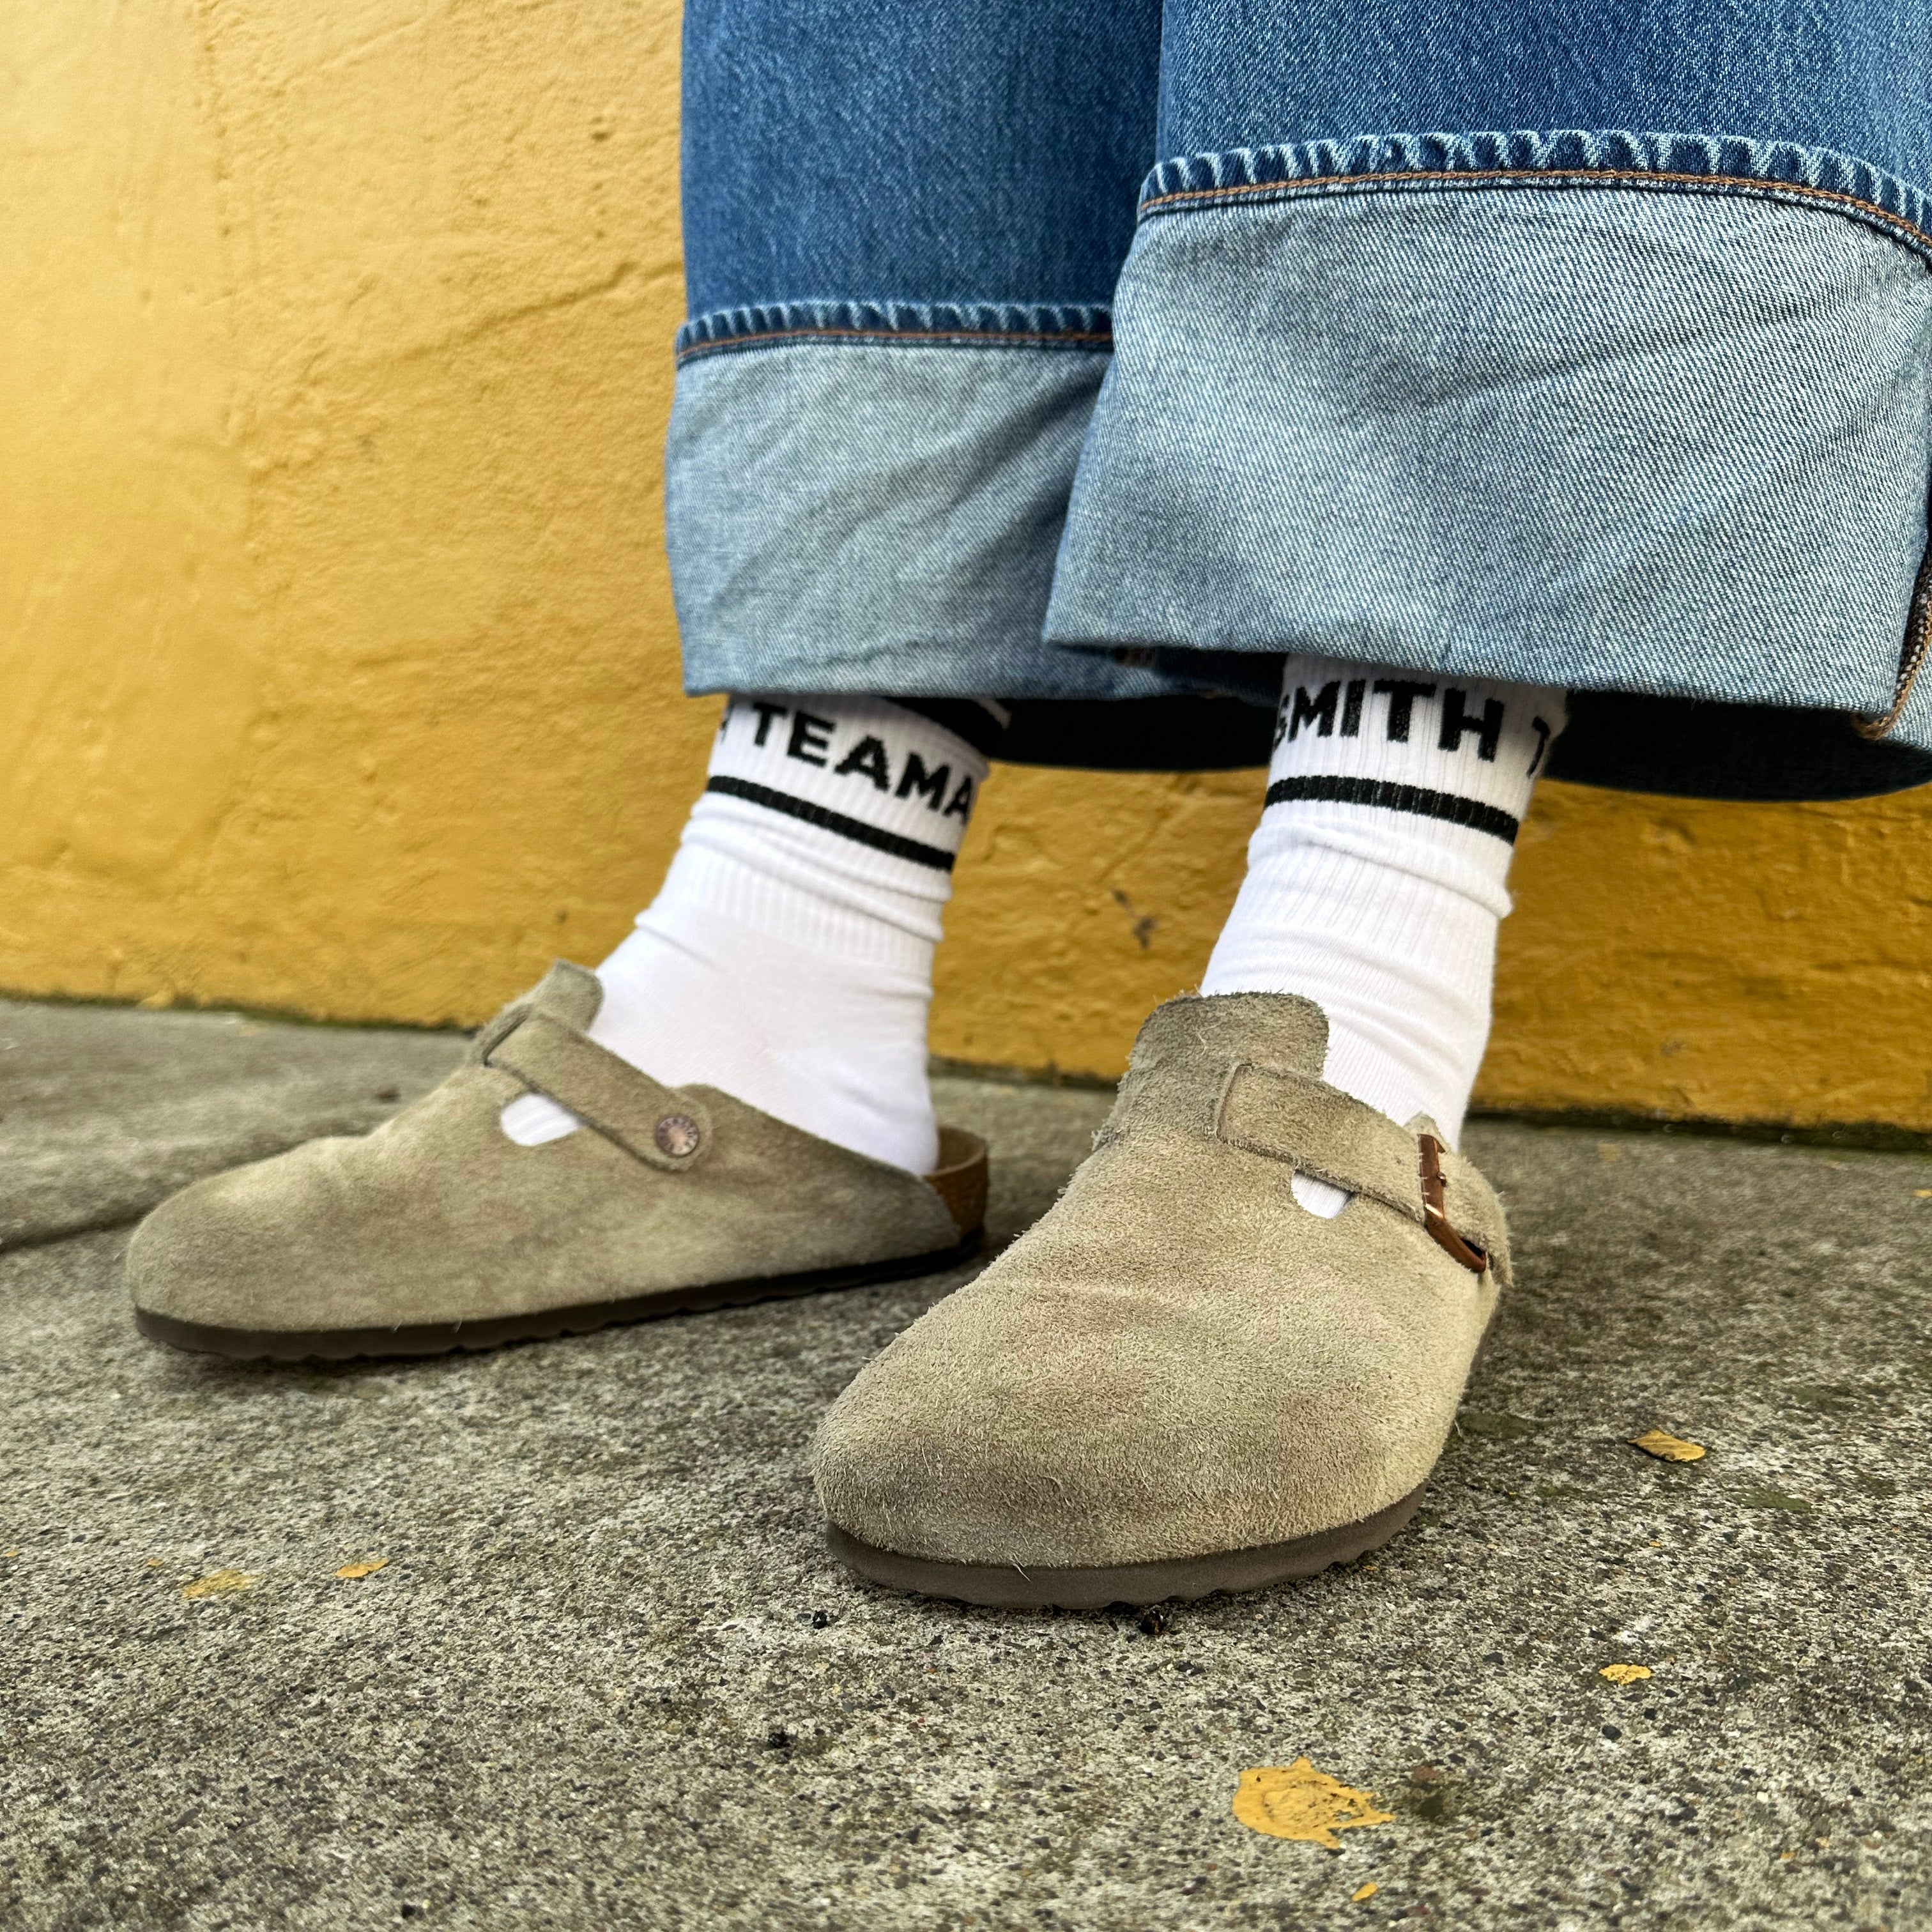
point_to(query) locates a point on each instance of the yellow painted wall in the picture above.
(337, 672)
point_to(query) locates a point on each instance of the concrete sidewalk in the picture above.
(606, 1676)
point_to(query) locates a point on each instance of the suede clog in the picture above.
(437, 1232)
(1180, 1381)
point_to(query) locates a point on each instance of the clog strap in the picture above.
(1324, 1133)
(1330, 1136)
(1442, 1230)
(667, 1127)
(1475, 1210)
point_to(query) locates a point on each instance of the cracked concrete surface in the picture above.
(606, 1674)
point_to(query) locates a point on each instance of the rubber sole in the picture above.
(1010, 1588)
(444, 1338)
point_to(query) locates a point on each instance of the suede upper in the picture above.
(439, 1217)
(1180, 1359)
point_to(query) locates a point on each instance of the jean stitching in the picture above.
(996, 324)
(1042, 339)
(1561, 151)
(1751, 186)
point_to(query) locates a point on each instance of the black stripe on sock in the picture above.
(934, 855)
(964, 717)
(1479, 818)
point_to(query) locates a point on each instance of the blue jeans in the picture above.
(1084, 351)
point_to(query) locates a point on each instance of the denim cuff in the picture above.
(1628, 412)
(869, 497)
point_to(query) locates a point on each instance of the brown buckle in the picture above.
(1435, 1211)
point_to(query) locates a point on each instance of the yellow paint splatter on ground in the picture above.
(367, 1568)
(1624, 1673)
(1923, 1193)
(1361, 1892)
(1667, 1447)
(1296, 1800)
(219, 1584)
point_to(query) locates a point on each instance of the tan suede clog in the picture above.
(437, 1232)
(1179, 1380)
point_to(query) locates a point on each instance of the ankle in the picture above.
(1378, 875)
(787, 961)
(828, 1039)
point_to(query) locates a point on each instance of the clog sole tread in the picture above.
(1011, 1587)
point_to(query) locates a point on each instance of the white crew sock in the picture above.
(788, 959)
(1376, 878)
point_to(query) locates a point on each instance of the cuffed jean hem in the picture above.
(869, 497)
(903, 324)
(1512, 426)
(1782, 171)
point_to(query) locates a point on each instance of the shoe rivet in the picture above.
(677, 1135)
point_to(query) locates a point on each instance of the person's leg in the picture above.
(1617, 407)
(897, 327)
(1479, 416)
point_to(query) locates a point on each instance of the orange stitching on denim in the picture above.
(1749, 182)
(896, 335)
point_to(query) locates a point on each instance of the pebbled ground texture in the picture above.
(606, 1674)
